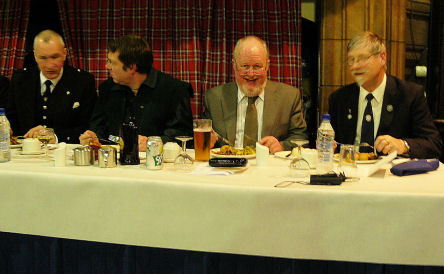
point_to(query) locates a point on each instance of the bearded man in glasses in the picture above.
(384, 111)
(253, 109)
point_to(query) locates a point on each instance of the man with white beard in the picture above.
(384, 111)
(253, 108)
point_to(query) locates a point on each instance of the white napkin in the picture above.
(262, 153)
(379, 164)
(204, 170)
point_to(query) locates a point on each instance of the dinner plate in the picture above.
(15, 146)
(214, 153)
(336, 158)
(283, 154)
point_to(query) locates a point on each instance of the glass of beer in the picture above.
(202, 137)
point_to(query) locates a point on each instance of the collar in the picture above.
(54, 81)
(378, 93)
(151, 79)
(241, 95)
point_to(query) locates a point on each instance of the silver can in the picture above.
(154, 152)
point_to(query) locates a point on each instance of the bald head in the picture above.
(49, 36)
(249, 42)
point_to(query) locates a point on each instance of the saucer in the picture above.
(31, 152)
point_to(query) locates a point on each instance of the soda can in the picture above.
(154, 152)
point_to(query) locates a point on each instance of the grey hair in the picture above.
(239, 42)
(46, 36)
(365, 39)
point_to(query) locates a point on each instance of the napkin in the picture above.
(262, 153)
(415, 167)
(205, 169)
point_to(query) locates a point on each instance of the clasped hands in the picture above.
(89, 135)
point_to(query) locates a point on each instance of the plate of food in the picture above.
(226, 151)
(362, 157)
(15, 142)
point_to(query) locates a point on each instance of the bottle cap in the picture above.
(325, 117)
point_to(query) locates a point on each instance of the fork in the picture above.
(223, 139)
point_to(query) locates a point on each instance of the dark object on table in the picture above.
(228, 162)
(415, 167)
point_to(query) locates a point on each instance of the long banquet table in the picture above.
(381, 219)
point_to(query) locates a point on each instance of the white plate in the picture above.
(214, 153)
(282, 154)
(336, 158)
(31, 152)
(16, 146)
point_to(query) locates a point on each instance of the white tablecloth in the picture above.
(380, 219)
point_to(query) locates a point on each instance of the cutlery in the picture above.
(223, 139)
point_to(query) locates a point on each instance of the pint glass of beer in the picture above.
(202, 137)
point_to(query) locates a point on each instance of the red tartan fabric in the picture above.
(192, 40)
(14, 18)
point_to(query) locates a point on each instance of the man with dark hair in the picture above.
(159, 103)
(50, 94)
(384, 111)
(4, 83)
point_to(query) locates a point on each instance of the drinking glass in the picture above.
(347, 160)
(183, 161)
(45, 136)
(202, 138)
(299, 167)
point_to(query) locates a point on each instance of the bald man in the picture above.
(51, 94)
(277, 110)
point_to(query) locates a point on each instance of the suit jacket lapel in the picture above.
(271, 99)
(30, 96)
(229, 108)
(351, 115)
(389, 106)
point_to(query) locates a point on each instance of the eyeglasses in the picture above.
(245, 69)
(360, 59)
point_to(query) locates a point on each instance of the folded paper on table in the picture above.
(380, 164)
(262, 153)
(415, 167)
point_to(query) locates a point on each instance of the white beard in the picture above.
(251, 93)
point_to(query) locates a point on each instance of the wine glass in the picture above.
(299, 167)
(347, 160)
(183, 161)
(45, 135)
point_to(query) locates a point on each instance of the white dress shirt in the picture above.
(53, 81)
(376, 102)
(242, 104)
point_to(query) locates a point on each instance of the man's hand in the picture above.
(213, 139)
(272, 143)
(142, 143)
(387, 144)
(86, 137)
(33, 132)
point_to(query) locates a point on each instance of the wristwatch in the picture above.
(407, 146)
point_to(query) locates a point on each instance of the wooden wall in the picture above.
(340, 20)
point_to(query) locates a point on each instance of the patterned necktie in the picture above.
(250, 132)
(47, 91)
(368, 127)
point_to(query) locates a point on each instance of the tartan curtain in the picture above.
(191, 40)
(14, 18)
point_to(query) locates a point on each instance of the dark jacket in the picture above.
(69, 108)
(4, 83)
(405, 115)
(161, 107)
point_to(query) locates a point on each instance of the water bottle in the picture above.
(5, 150)
(129, 150)
(325, 142)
